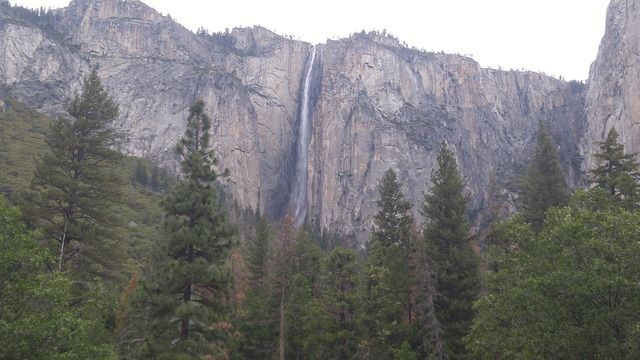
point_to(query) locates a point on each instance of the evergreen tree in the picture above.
(392, 221)
(257, 322)
(429, 323)
(448, 244)
(140, 175)
(545, 185)
(74, 188)
(617, 172)
(36, 320)
(387, 278)
(258, 251)
(155, 183)
(281, 306)
(302, 313)
(189, 293)
(284, 275)
(338, 333)
(306, 257)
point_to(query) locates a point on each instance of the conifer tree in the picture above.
(387, 278)
(74, 188)
(155, 179)
(392, 221)
(448, 244)
(140, 175)
(338, 334)
(617, 172)
(36, 321)
(545, 185)
(258, 316)
(284, 274)
(258, 251)
(188, 296)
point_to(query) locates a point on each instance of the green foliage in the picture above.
(392, 221)
(302, 312)
(387, 277)
(617, 172)
(22, 137)
(188, 292)
(256, 319)
(21, 131)
(448, 246)
(544, 185)
(258, 251)
(382, 311)
(36, 320)
(569, 292)
(74, 188)
(338, 332)
(141, 176)
(406, 352)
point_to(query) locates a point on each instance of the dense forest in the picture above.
(110, 257)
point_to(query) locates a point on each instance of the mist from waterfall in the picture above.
(298, 201)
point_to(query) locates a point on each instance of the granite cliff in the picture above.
(373, 103)
(613, 94)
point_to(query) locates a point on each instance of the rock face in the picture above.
(613, 95)
(383, 106)
(374, 103)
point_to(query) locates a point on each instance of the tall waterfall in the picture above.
(298, 201)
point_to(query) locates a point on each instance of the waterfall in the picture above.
(298, 201)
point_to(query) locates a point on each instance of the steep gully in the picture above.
(298, 201)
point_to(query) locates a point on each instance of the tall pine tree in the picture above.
(74, 188)
(189, 294)
(338, 336)
(545, 185)
(387, 279)
(257, 320)
(617, 172)
(448, 243)
(284, 269)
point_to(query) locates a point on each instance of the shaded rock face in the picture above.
(374, 104)
(613, 95)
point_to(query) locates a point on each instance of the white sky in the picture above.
(558, 37)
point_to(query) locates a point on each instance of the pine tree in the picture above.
(74, 188)
(258, 315)
(392, 221)
(338, 334)
(387, 278)
(545, 185)
(448, 244)
(617, 172)
(258, 251)
(141, 176)
(155, 180)
(189, 295)
(284, 275)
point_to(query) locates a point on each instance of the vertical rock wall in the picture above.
(376, 104)
(613, 96)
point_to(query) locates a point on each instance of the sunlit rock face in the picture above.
(613, 95)
(374, 104)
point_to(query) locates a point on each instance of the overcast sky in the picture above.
(558, 37)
